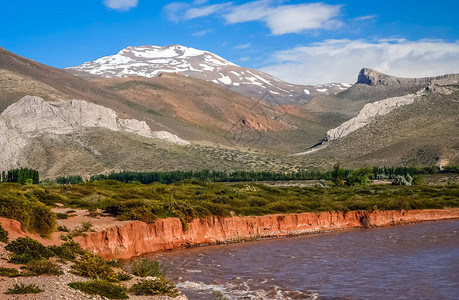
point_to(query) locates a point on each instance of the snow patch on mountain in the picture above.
(151, 61)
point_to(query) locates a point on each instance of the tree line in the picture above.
(21, 175)
(25, 175)
(217, 176)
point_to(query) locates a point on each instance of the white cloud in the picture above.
(364, 18)
(204, 11)
(175, 10)
(202, 32)
(243, 46)
(287, 18)
(121, 5)
(341, 60)
(280, 19)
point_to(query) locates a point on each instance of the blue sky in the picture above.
(298, 41)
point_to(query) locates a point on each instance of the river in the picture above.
(418, 261)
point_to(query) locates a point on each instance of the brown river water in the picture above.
(418, 261)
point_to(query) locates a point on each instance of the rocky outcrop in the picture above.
(368, 113)
(32, 116)
(139, 238)
(374, 78)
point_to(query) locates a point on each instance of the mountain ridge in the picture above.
(150, 61)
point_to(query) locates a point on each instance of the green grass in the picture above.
(101, 287)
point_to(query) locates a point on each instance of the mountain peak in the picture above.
(372, 77)
(150, 61)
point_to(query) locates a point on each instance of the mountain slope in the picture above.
(201, 110)
(22, 76)
(371, 86)
(150, 61)
(190, 108)
(421, 128)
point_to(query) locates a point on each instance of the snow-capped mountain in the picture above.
(150, 61)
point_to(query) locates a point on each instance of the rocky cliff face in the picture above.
(32, 116)
(375, 78)
(139, 238)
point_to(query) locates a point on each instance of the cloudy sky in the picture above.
(298, 41)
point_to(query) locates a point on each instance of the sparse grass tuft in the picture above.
(43, 267)
(123, 276)
(9, 272)
(156, 286)
(93, 266)
(22, 288)
(146, 267)
(101, 287)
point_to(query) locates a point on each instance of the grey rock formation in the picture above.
(32, 117)
(368, 113)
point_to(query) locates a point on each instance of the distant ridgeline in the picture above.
(22, 176)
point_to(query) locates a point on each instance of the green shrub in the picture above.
(68, 251)
(63, 228)
(3, 235)
(43, 267)
(66, 237)
(401, 180)
(133, 209)
(101, 287)
(93, 266)
(25, 208)
(156, 286)
(9, 272)
(360, 177)
(62, 216)
(417, 180)
(26, 249)
(85, 227)
(22, 288)
(146, 267)
(337, 175)
(123, 276)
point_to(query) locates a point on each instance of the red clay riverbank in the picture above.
(137, 238)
